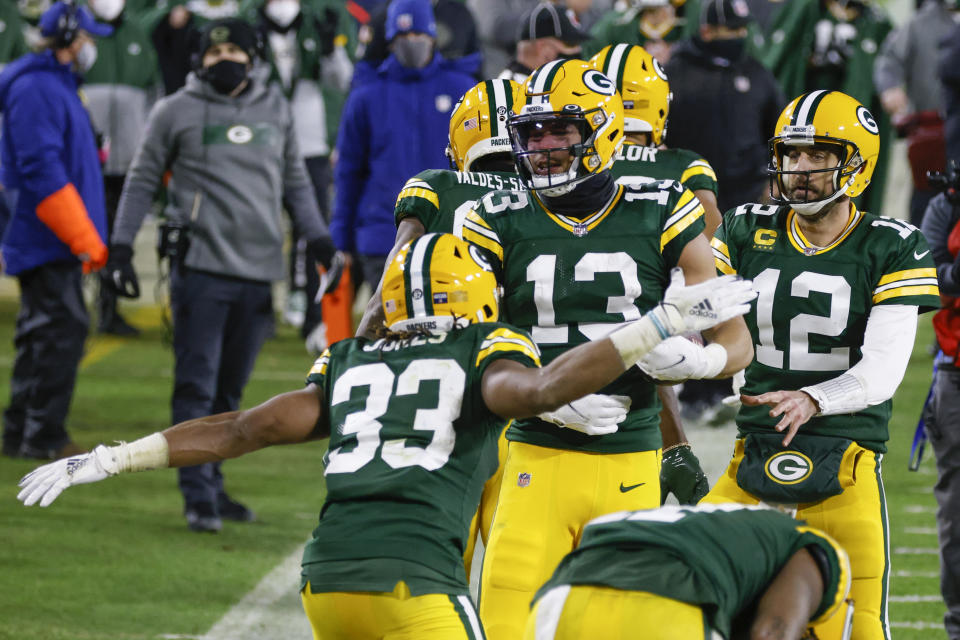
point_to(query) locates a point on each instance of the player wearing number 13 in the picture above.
(413, 418)
(833, 327)
(578, 255)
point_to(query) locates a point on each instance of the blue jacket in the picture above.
(46, 142)
(393, 126)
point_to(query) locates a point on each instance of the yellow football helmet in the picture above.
(643, 87)
(478, 124)
(837, 122)
(438, 282)
(565, 92)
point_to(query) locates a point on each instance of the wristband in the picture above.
(676, 446)
(633, 341)
(716, 359)
(145, 454)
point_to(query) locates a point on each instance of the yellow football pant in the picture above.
(578, 612)
(546, 498)
(483, 518)
(390, 616)
(857, 519)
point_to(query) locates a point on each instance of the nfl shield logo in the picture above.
(579, 230)
(523, 480)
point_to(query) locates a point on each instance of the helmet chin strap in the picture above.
(814, 211)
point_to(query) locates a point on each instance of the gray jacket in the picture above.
(232, 160)
(908, 57)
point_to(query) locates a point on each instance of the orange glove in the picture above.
(64, 212)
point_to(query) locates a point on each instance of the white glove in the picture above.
(677, 358)
(594, 415)
(49, 481)
(739, 379)
(702, 306)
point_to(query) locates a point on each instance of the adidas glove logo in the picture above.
(704, 310)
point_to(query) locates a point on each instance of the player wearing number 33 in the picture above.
(413, 418)
(833, 329)
(579, 255)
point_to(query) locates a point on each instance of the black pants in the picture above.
(219, 326)
(51, 328)
(303, 273)
(107, 298)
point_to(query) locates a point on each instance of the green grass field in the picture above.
(116, 561)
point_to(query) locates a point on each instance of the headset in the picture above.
(68, 26)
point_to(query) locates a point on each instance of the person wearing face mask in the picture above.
(57, 228)
(546, 33)
(394, 124)
(120, 87)
(228, 139)
(307, 52)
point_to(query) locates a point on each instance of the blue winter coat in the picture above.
(46, 142)
(393, 126)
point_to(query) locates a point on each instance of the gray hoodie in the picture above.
(232, 161)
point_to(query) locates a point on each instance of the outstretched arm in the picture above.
(285, 419)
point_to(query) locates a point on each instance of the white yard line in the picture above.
(917, 625)
(271, 610)
(915, 598)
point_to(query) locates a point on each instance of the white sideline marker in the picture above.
(903, 573)
(912, 551)
(922, 531)
(919, 508)
(915, 598)
(917, 625)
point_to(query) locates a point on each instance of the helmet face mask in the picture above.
(567, 128)
(839, 142)
(438, 282)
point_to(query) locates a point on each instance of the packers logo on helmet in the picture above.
(828, 121)
(478, 124)
(567, 126)
(436, 282)
(643, 87)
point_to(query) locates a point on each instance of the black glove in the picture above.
(327, 31)
(680, 474)
(326, 255)
(118, 274)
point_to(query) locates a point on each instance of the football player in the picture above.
(578, 255)
(680, 572)
(413, 418)
(645, 91)
(833, 326)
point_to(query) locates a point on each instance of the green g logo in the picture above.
(788, 467)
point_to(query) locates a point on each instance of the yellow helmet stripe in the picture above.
(807, 107)
(416, 276)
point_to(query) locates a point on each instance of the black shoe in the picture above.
(202, 518)
(69, 449)
(232, 510)
(117, 326)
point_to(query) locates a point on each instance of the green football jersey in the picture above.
(636, 164)
(440, 199)
(411, 445)
(721, 557)
(568, 281)
(809, 319)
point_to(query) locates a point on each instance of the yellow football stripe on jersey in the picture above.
(698, 169)
(477, 231)
(908, 274)
(899, 292)
(801, 244)
(723, 267)
(320, 364)
(687, 211)
(843, 580)
(721, 246)
(506, 340)
(418, 192)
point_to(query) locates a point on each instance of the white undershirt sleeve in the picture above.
(887, 345)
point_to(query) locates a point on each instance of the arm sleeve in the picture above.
(351, 172)
(887, 345)
(888, 70)
(34, 120)
(146, 171)
(938, 222)
(298, 190)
